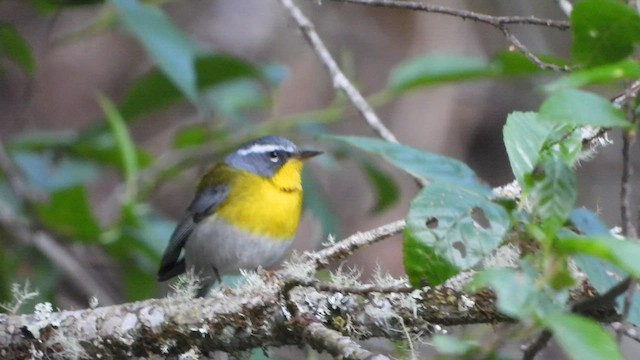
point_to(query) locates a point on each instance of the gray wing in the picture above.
(205, 202)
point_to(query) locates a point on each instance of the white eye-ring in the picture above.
(273, 156)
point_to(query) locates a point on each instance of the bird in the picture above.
(244, 214)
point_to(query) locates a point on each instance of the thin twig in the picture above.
(630, 332)
(496, 21)
(350, 244)
(531, 56)
(339, 80)
(627, 95)
(540, 343)
(628, 228)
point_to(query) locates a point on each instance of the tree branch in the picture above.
(338, 78)
(497, 21)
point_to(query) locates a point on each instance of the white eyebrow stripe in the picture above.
(262, 148)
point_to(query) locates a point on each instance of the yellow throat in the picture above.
(266, 206)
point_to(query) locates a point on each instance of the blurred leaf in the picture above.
(167, 45)
(138, 284)
(622, 253)
(575, 107)
(582, 338)
(103, 148)
(452, 346)
(419, 163)
(125, 145)
(450, 228)
(317, 202)
(231, 98)
(155, 91)
(602, 275)
(524, 137)
(195, 135)
(69, 214)
(604, 31)
(514, 290)
(434, 69)
(386, 190)
(16, 48)
(41, 140)
(553, 192)
(46, 172)
(623, 70)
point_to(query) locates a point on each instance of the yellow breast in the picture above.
(266, 207)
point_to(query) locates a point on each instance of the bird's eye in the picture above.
(273, 156)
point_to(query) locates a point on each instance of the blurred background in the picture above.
(112, 207)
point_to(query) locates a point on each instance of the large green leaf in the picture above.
(168, 46)
(575, 107)
(604, 31)
(524, 137)
(69, 214)
(553, 192)
(434, 69)
(16, 48)
(450, 229)
(419, 163)
(155, 91)
(582, 338)
(624, 70)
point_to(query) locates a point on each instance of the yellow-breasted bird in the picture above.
(244, 214)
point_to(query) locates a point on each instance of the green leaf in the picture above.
(514, 290)
(171, 50)
(435, 69)
(452, 346)
(553, 192)
(623, 70)
(316, 201)
(432, 69)
(386, 190)
(582, 338)
(602, 275)
(450, 229)
(419, 163)
(604, 31)
(622, 253)
(124, 143)
(155, 91)
(524, 137)
(16, 48)
(575, 107)
(47, 172)
(69, 214)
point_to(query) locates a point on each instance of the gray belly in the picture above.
(215, 244)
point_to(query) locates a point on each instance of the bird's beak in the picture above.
(306, 154)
